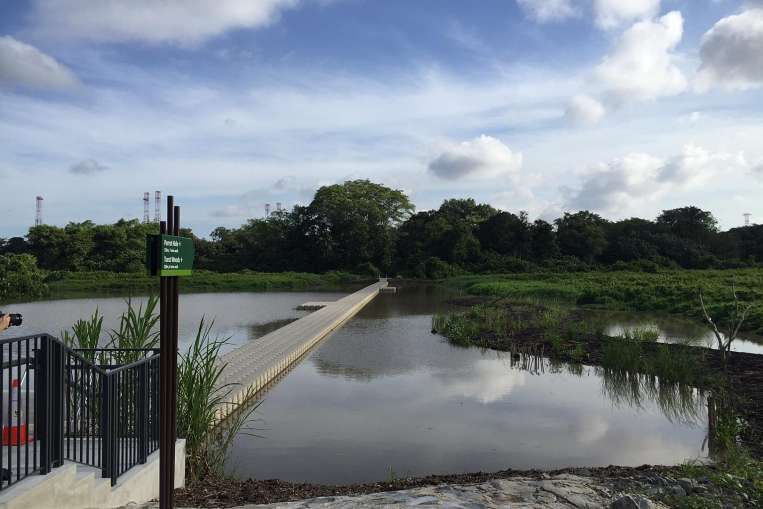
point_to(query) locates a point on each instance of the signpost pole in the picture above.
(169, 256)
(165, 494)
(167, 376)
(174, 356)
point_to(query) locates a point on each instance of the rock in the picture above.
(677, 491)
(633, 502)
(687, 484)
(700, 489)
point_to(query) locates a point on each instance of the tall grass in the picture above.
(666, 291)
(85, 334)
(641, 334)
(137, 330)
(199, 397)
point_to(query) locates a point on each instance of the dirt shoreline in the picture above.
(225, 493)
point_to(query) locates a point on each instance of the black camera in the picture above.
(16, 319)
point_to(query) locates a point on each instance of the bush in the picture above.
(367, 269)
(434, 268)
(20, 277)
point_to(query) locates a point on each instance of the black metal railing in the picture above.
(111, 358)
(131, 420)
(22, 422)
(98, 407)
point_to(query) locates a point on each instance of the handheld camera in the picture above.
(16, 319)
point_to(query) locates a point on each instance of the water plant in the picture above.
(646, 334)
(137, 330)
(85, 334)
(199, 397)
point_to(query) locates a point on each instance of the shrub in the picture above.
(434, 268)
(20, 277)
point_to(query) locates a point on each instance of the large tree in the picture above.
(689, 223)
(581, 235)
(506, 234)
(360, 218)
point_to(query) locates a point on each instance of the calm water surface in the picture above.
(242, 316)
(673, 329)
(383, 395)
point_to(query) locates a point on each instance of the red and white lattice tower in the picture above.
(747, 217)
(38, 215)
(146, 200)
(267, 210)
(157, 206)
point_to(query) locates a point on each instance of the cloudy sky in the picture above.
(620, 107)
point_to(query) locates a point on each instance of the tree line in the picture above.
(367, 228)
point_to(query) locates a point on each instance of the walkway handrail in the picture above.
(57, 404)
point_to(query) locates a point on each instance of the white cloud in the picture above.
(609, 185)
(584, 110)
(614, 13)
(696, 165)
(25, 65)
(642, 66)
(614, 187)
(732, 52)
(181, 21)
(544, 11)
(87, 167)
(482, 157)
(286, 191)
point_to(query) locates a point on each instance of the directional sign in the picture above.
(168, 255)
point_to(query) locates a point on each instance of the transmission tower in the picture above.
(146, 200)
(157, 206)
(278, 206)
(267, 210)
(747, 217)
(38, 216)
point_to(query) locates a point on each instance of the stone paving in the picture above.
(559, 492)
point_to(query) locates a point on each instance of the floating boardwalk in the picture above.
(255, 365)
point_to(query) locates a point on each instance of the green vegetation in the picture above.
(74, 283)
(736, 479)
(198, 399)
(20, 277)
(137, 330)
(85, 334)
(675, 291)
(369, 229)
(199, 370)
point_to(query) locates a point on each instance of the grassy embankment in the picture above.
(673, 292)
(77, 283)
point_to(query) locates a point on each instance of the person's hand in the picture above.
(5, 322)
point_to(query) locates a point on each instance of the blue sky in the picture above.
(623, 108)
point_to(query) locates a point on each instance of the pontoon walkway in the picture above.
(253, 366)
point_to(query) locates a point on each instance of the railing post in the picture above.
(106, 428)
(114, 445)
(56, 387)
(142, 412)
(43, 402)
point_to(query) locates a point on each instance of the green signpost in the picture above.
(169, 255)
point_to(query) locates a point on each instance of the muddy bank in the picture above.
(656, 482)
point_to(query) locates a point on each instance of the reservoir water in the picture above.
(383, 396)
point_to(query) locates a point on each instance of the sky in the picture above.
(624, 108)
